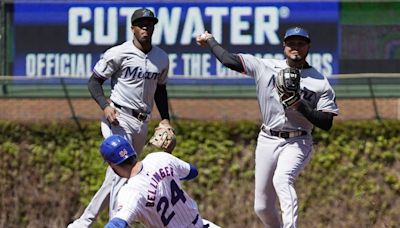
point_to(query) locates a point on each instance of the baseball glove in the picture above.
(287, 84)
(164, 137)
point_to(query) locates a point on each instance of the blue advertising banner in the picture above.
(67, 38)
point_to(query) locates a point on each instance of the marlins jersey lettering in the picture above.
(314, 88)
(155, 197)
(134, 74)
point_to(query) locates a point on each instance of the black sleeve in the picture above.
(161, 99)
(232, 61)
(320, 119)
(95, 86)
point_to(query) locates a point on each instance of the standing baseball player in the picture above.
(153, 194)
(138, 71)
(293, 97)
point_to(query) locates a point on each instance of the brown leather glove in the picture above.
(164, 137)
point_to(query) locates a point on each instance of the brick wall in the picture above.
(38, 110)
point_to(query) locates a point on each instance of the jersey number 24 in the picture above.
(163, 204)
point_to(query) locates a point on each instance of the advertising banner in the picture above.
(67, 38)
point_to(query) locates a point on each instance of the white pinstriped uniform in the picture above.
(155, 197)
(279, 160)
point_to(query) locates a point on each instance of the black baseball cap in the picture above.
(143, 14)
(297, 31)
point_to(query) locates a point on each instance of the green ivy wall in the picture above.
(48, 173)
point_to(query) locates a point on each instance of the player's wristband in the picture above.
(104, 105)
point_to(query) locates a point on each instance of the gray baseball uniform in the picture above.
(134, 78)
(280, 160)
(284, 143)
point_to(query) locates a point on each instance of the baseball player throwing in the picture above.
(293, 97)
(153, 194)
(138, 72)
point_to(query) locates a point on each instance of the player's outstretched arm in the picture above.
(232, 61)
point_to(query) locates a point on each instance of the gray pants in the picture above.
(106, 195)
(135, 132)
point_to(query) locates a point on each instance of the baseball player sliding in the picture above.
(153, 194)
(293, 97)
(138, 71)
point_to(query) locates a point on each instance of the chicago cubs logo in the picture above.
(123, 153)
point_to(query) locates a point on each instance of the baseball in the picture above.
(203, 36)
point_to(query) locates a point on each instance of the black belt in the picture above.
(138, 115)
(283, 134)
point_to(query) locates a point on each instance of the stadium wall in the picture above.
(60, 109)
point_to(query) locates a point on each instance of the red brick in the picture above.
(27, 110)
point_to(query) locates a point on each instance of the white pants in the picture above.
(209, 224)
(278, 163)
(135, 132)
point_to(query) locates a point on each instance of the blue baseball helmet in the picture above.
(297, 31)
(116, 149)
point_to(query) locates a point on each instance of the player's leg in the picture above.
(292, 159)
(98, 203)
(135, 132)
(132, 129)
(116, 185)
(102, 199)
(265, 196)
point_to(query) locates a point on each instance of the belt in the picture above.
(138, 115)
(283, 134)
